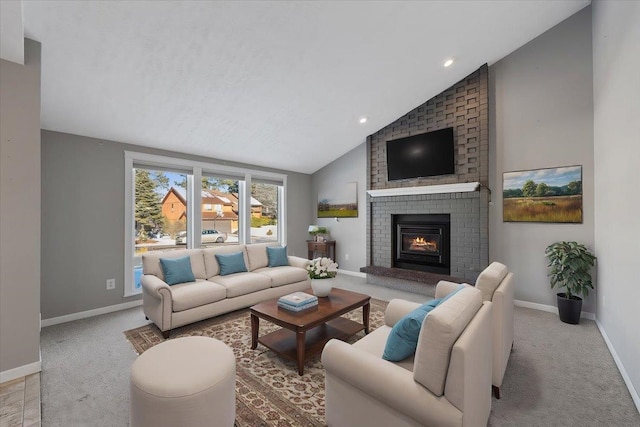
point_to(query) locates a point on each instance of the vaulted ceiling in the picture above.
(277, 84)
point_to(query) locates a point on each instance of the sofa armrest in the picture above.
(155, 287)
(503, 325)
(384, 382)
(397, 309)
(296, 261)
(444, 288)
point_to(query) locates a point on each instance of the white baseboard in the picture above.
(550, 308)
(90, 313)
(20, 371)
(623, 371)
(353, 273)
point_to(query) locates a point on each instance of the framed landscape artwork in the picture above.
(543, 195)
(339, 202)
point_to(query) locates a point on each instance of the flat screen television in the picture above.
(427, 154)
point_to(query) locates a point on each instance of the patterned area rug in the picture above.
(269, 391)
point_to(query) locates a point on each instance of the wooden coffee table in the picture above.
(305, 333)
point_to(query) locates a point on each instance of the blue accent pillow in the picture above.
(177, 270)
(277, 256)
(403, 338)
(231, 263)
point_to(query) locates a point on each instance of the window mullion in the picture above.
(244, 210)
(196, 196)
(282, 214)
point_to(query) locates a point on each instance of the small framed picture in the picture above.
(340, 202)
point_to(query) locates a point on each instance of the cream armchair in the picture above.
(496, 284)
(446, 383)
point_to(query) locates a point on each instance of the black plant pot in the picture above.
(569, 309)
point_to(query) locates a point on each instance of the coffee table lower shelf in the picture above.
(283, 341)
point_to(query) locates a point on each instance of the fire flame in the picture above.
(419, 243)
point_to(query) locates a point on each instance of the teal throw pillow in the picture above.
(403, 338)
(177, 270)
(231, 263)
(277, 256)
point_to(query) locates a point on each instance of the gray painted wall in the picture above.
(349, 233)
(83, 220)
(541, 115)
(616, 91)
(20, 210)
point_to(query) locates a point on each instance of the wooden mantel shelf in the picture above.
(464, 187)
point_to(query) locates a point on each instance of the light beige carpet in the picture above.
(269, 391)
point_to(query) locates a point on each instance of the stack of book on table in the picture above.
(298, 301)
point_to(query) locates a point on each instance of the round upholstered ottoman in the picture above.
(184, 382)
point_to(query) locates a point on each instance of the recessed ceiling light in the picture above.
(448, 62)
(363, 120)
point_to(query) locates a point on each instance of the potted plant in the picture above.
(320, 270)
(570, 270)
(317, 232)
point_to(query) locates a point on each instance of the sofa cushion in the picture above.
(242, 283)
(195, 294)
(211, 263)
(177, 270)
(277, 256)
(257, 255)
(439, 332)
(231, 263)
(490, 278)
(283, 275)
(151, 262)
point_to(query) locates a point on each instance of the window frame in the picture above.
(195, 171)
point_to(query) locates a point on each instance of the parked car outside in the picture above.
(208, 236)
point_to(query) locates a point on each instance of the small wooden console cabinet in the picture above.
(321, 249)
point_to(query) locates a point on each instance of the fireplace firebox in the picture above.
(422, 242)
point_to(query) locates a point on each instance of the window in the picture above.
(160, 213)
(264, 212)
(174, 203)
(220, 209)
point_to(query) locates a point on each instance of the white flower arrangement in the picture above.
(322, 268)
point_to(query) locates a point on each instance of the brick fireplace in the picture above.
(462, 198)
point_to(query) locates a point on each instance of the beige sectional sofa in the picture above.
(211, 294)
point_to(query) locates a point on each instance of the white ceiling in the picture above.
(276, 84)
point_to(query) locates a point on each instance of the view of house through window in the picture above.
(160, 214)
(220, 208)
(264, 212)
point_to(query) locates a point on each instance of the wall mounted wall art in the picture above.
(543, 195)
(339, 202)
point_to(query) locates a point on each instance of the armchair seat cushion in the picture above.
(281, 276)
(375, 342)
(194, 294)
(242, 283)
